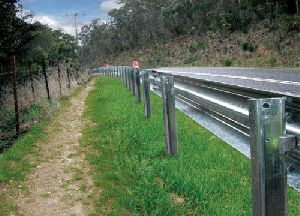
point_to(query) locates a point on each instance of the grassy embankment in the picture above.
(208, 177)
(15, 162)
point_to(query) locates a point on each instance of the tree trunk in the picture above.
(68, 76)
(46, 80)
(31, 82)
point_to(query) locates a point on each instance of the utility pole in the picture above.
(75, 20)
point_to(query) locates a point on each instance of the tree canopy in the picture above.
(142, 23)
(31, 43)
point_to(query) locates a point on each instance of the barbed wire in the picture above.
(27, 98)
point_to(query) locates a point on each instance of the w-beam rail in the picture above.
(224, 94)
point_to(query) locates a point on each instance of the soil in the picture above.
(61, 183)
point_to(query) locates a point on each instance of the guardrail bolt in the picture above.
(137, 85)
(168, 96)
(269, 175)
(147, 101)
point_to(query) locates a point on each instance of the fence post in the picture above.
(168, 96)
(137, 85)
(269, 177)
(14, 79)
(46, 80)
(147, 101)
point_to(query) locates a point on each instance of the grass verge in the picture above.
(15, 162)
(208, 177)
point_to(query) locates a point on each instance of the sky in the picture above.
(54, 12)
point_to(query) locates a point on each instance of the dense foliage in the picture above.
(34, 45)
(141, 23)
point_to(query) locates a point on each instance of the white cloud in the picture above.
(65, 23)
(108, 5)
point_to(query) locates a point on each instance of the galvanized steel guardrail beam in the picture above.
(269, 119)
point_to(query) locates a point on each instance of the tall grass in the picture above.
(208, 177)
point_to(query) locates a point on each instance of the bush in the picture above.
(249, 47)
(227, 63)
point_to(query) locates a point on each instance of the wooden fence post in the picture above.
(14, 81)
(46, 80)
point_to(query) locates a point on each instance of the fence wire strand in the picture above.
(31, 92)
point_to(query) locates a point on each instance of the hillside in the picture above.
(259, 47)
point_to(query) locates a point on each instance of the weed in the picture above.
(273, 62)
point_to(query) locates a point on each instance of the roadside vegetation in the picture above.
(253, 33)
(15, 162)
(135, 175)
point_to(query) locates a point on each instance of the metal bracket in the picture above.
(287, 143)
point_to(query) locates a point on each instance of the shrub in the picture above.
(249, 47)
(227, 63)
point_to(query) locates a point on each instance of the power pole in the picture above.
(75, 19)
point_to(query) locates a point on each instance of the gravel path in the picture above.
(61, 184)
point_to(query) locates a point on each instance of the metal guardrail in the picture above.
(270, 120)
(229, 104)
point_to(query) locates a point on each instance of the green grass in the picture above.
(15, 161)
(208, 177)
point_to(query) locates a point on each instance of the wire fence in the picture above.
(34, 100)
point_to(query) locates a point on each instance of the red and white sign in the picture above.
(135, 64)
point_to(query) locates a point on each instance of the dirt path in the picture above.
(61, 183)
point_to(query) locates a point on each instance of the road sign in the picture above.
(135, 64)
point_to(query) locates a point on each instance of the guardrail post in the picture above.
(147, 101)
(269, 177)
(132, 81)
(125, 76)
(129, 79)
(168, 96)
(137, 85)
(122, 74)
